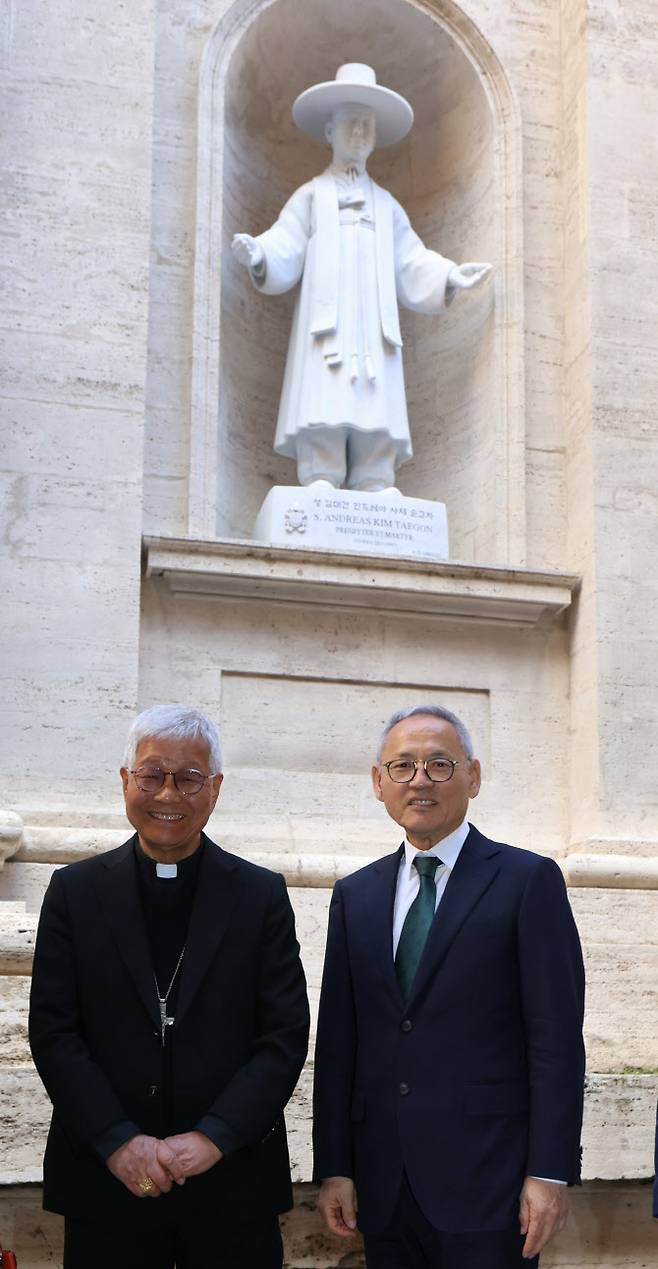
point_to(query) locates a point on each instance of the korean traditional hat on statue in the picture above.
(355, 84)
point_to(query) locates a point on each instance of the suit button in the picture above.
(406, 1025)
(404, 1089)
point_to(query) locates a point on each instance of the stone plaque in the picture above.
(347, 520)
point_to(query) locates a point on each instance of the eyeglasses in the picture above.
(150, 779)
(403, 770)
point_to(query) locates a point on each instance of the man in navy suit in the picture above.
(449, 1060)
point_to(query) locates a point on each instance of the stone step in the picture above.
(17, 936)
(618, 1130)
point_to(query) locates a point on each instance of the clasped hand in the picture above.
(165, 1162)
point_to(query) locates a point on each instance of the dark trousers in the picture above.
(410, 1242)
(217, 1243)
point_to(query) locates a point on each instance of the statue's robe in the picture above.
(353, 247)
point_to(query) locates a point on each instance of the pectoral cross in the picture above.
(165, 1021)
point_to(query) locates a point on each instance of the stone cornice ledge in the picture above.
(11, 831)
(252, 570)
(617, 1136)
(42, 844)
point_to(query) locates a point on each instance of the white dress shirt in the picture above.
(408, 882)
(408, 885)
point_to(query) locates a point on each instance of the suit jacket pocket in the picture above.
(358, 1111)
(508, 1097)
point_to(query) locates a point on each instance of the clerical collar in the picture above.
(152, 869)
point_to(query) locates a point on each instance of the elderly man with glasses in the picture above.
(169, 1023)
(449, 1058)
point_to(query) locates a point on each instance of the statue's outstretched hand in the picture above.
(247, 251)
(464, 276)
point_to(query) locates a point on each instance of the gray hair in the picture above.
(436, 711)
(178, 722)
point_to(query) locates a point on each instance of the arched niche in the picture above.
(458, 176)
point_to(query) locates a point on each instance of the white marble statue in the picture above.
(343, 412)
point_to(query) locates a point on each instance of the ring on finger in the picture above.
(146, 1185)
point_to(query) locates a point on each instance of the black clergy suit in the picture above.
(477, 1081)
(233, 1054)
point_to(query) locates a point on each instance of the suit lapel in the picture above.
(473, 873)
(118, 890)
(215, 901)
(380, 901)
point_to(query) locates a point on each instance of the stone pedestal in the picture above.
(347, 520)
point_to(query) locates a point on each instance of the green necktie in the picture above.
(417, 924)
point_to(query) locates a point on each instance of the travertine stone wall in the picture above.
(342, 673)
(580, 478)
(76, 167)
(607, 1230)
(611, 379)
(622, 166)
(101, 442)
